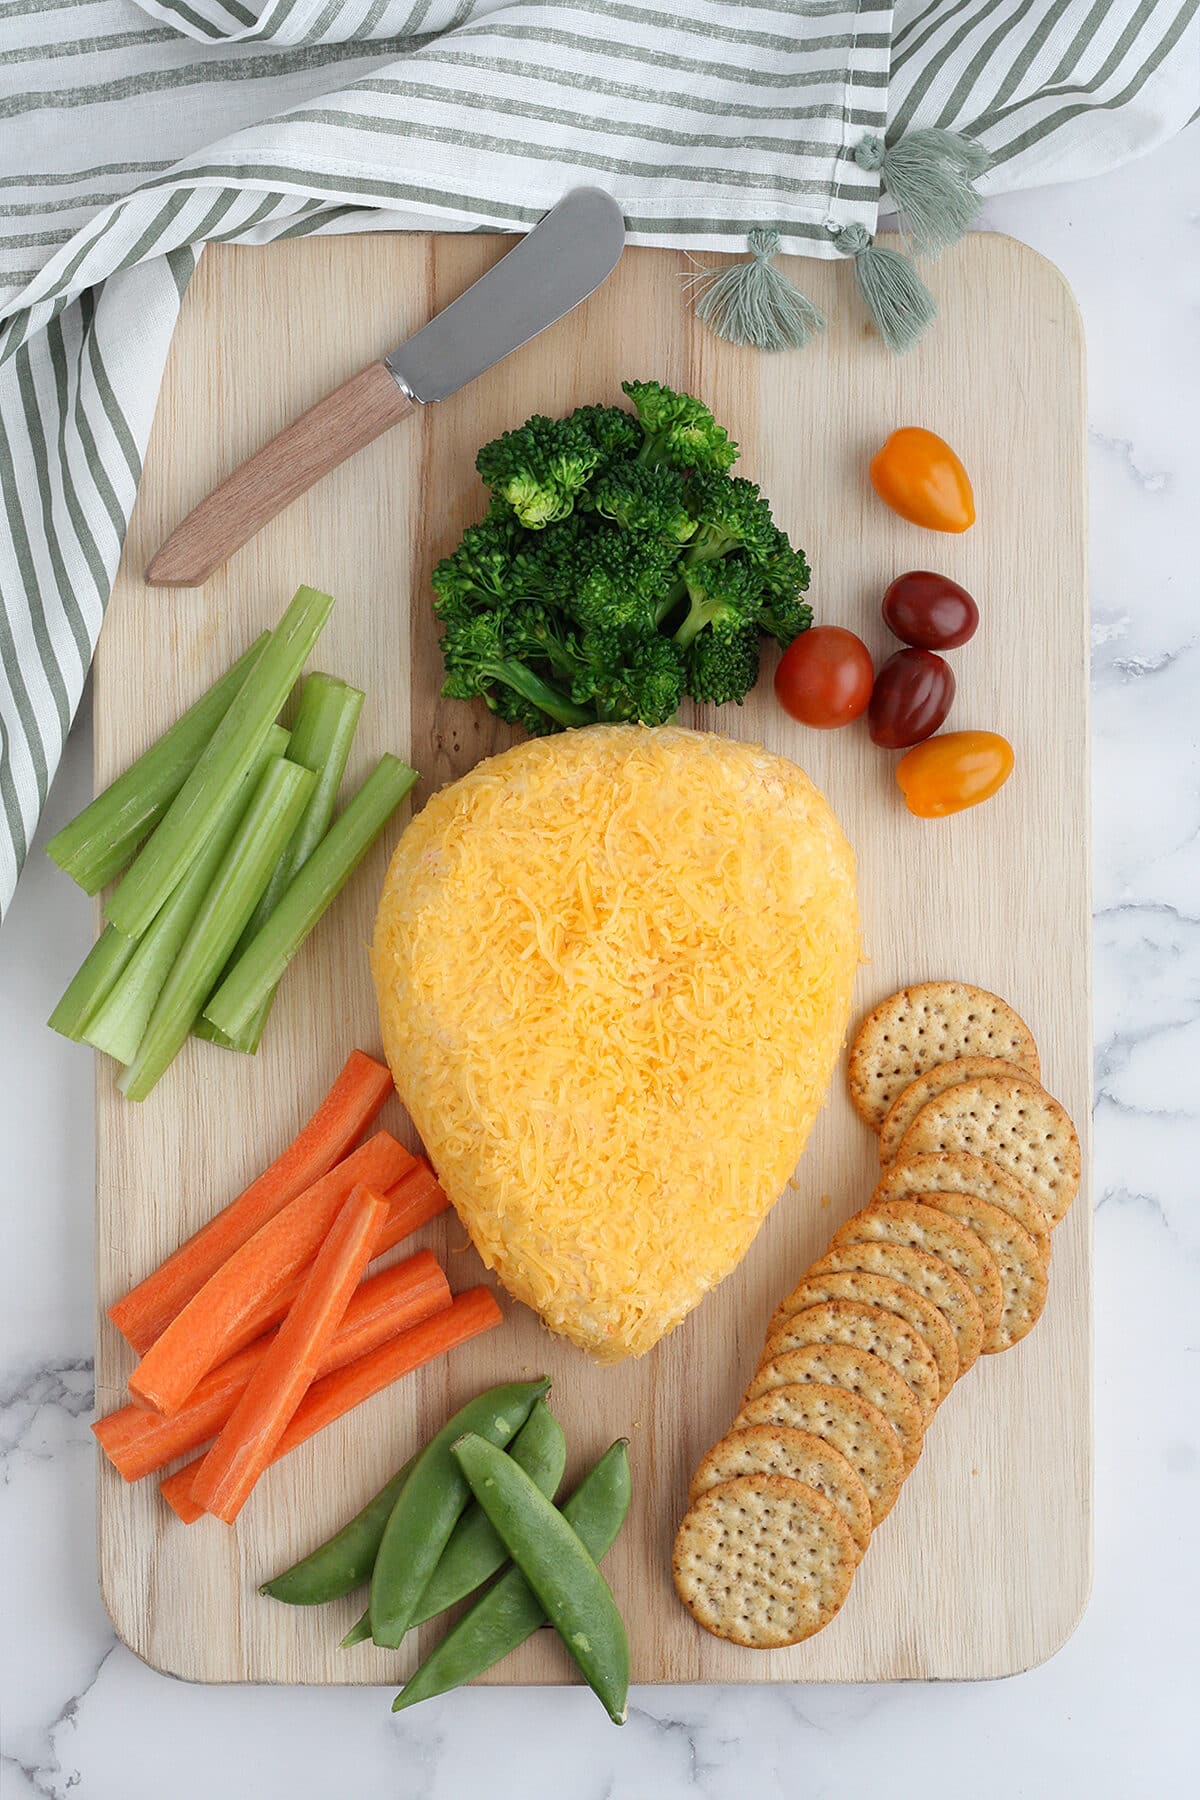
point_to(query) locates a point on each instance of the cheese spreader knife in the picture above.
(566, 256)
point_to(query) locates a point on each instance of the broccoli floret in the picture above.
(619, 566)
(539, 469)
(644, 683)
(723, 667)
(785, 619)
(614, 580)
(613, 431)
(731, 514)
(478, 659)
(679, 429)
(515, 710)
(478, 573)
(651, 502)
(724, 597)
(784, 573)
(604, 669)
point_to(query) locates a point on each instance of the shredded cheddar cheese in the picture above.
(614, 972)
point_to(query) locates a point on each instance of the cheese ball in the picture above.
(614, 971)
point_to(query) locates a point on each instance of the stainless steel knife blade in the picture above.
(556, 266)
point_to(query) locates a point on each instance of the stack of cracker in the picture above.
(949, 1259)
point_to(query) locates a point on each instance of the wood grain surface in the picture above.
(984, 1566)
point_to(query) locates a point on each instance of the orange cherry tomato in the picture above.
(949, 773)
(918, 475)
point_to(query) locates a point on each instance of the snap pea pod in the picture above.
(344, 1561)
(431, 1502)
(359, 1632)
(510, 1612)
(475, 1552)
(578, 1601)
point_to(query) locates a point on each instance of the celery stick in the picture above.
(181, 834)
(204, 1028)
(272, 815)
(321, 740)
(119, 1025)
(101, 840)
(258, 969)
(92, 982)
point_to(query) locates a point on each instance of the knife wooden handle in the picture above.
(353, 416)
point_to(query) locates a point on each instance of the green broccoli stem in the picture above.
(707, 545)
(539, 693)
(673, 600)
(564, 663)
(699, 615)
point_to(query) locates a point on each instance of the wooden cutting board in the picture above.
(983, 1568)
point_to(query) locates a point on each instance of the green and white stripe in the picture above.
(131, 134)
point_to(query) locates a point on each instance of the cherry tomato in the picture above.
(930, 611)
(949, 773)
(914, 691)
(918, 475)
(824, 677)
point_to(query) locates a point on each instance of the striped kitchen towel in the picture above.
(133, 134)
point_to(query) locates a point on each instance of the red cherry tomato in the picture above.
(914, 691)
(824, 677)
(930, 611)
(947, 774)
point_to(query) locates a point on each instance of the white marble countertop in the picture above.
(1113, 1715)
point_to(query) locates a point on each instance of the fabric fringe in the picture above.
(929, 176)
(752, 303)
(897, 299)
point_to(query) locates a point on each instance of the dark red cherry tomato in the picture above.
(913, 692)
(930, 611)
(824, 677)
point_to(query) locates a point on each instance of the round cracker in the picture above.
(1022, 1271)
(869, 1328)
(924, 1228)
(927, 1275)
(959, 1172)
(882, 1291)
(934, 1022)
(1026, 1134)
(927, 1086)
(763, 1561)
(782, 1450)
(847, 1422)
(860, 1371)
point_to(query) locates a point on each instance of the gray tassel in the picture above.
(752, 303)
(897, 299)
(929, 176)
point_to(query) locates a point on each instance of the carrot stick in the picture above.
(138, 1442)
(335, 1395)
(213, 1321)
(247, 1440)
(176, 1491)
(351, 1104)
(415, 1199)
